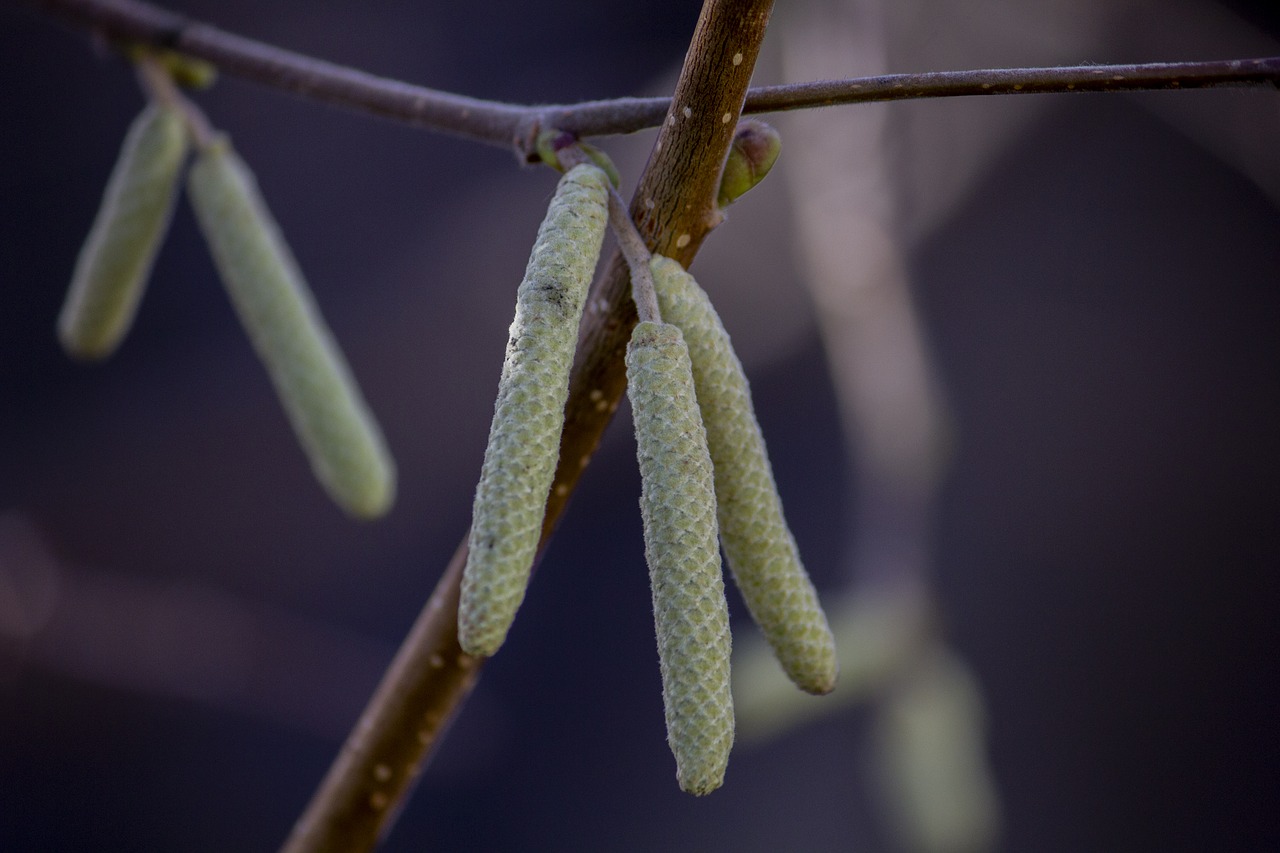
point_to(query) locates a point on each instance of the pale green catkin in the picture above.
(929, 747)
(757, 542)
(524, 438)
(677, 504)
(343, 442)
(112, 269)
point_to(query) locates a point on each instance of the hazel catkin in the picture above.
(761, 551)
(677, 505)
(524, 438)
(112, 268)
(340, 436)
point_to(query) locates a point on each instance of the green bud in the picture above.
(550, 142)
(275, 306)
(754, 150)
(187, 71)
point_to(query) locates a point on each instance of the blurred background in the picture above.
(1015, 358)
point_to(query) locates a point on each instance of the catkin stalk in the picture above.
(343, 442)
(761, 551)
(677, 504)
(112, 268)
(524, 438)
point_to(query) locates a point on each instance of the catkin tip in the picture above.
(483, 646)
(379, 497)
(824, 683)
(700, 787)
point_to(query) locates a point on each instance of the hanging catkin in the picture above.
(757, 542)
(677, 504)
(111, 271)
(310, 375)
(524, 438)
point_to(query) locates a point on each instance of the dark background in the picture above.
(191, 627)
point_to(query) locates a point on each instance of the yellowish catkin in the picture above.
(761, 551)
(112, 269)
(677, 504)
(343, 442)
(524, 438)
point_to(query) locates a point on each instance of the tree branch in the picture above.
(515, 126)
(673, 208)
(431, 677)
(132, 21)
(627, 115)
(1018, 81)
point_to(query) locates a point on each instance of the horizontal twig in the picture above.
(516, 126)
(627, 115)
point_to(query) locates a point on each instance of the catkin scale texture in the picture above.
(343, 442)
(761, 551)
(112, 268)
(524, 438)
(678, 508)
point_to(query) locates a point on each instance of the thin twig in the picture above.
(134, 22)
(1017, 81)
(633, 249)
(515, 126)
(431, 677)
(627, 115)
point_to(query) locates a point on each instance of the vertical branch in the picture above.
(675, 202)
(420, 692)
(674, 207)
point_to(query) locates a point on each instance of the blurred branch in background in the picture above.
(867, 186)
(177, 641)
(932, 769)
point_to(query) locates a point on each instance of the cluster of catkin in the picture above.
(706, 482)
(321, 400)
(706, 479)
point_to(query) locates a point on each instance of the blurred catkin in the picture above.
(678, 507)
(310, 375)
(112, 269)
(930, 749)
(757, 542)
(524, 439)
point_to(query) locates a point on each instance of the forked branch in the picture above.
(515, 126)
(674, 208)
